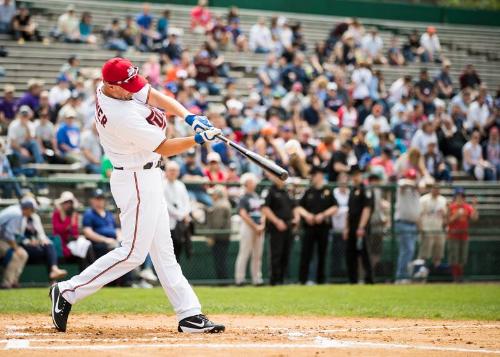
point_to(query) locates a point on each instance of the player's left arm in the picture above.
(157, 99)
(175, 146)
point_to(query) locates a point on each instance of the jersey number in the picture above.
(157, 118)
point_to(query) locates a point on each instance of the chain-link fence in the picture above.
(208, 255)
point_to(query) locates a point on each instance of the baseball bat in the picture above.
(266, 164)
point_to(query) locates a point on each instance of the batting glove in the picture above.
(207, 135)
(199, 123)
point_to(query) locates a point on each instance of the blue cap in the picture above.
(62, 78)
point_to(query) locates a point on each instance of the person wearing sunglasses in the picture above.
(131, 122)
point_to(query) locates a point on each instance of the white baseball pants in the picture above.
(145, 228)
(251, 244)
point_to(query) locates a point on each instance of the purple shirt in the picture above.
(29, 100)
(7, 108)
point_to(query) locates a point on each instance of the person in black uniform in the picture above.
(316, 207)
(358, 217)
(281, 217)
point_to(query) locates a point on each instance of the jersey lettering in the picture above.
(157, 118)
(99, 115)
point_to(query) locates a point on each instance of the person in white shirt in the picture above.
(423, 136)
(68, 25)
(430, 42)
(178, 204)
(341, 194)
(478, 114)
(21, 136)
(285, 33)
(60, 93)
(400, 88)
(433, 212)
(372, 46)
(473, 161)
(376, 117)
(260, 40)
(361, 79)
(91, 150)
(132, 125)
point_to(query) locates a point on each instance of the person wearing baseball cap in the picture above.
(460, 214)
(131, 122)
(407, 215)
(24, 146)
(357, 229)
(7, 106)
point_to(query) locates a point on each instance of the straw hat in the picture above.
(65, 197)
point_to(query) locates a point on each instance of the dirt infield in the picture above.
(129, 335)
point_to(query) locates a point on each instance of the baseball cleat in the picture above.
(199, 324)
(60, 308)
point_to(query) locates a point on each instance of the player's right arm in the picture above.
(157, 99)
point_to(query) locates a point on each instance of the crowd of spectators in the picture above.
(324, 107)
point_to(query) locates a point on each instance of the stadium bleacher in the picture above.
(461, 45)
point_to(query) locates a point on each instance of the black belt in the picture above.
(149, 165)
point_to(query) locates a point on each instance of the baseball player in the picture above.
(132, 132)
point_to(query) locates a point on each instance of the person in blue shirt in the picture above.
(191, 171)
(144, 20)
(162, 24)
(68, 137)
(99, 225)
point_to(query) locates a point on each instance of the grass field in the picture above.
(476, 301)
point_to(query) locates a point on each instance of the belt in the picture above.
(149, 165)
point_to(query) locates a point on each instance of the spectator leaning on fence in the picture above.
(433, 220)
(407, 214)
(378, 221)
(460, 214)
(339, 221)
(179, 210)
(219, 219)
(251, 232)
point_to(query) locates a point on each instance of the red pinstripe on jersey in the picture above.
(131, 249)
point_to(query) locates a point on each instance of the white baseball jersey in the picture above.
(129, 130)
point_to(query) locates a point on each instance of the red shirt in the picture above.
(200, 16)
(459, 228)
(219, 176)
(65, 229)
(386, 164)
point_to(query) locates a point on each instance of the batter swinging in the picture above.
(132, 132)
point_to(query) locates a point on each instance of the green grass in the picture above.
(477, 301)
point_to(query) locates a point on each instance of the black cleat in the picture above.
(198, 324)
(60, 308)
